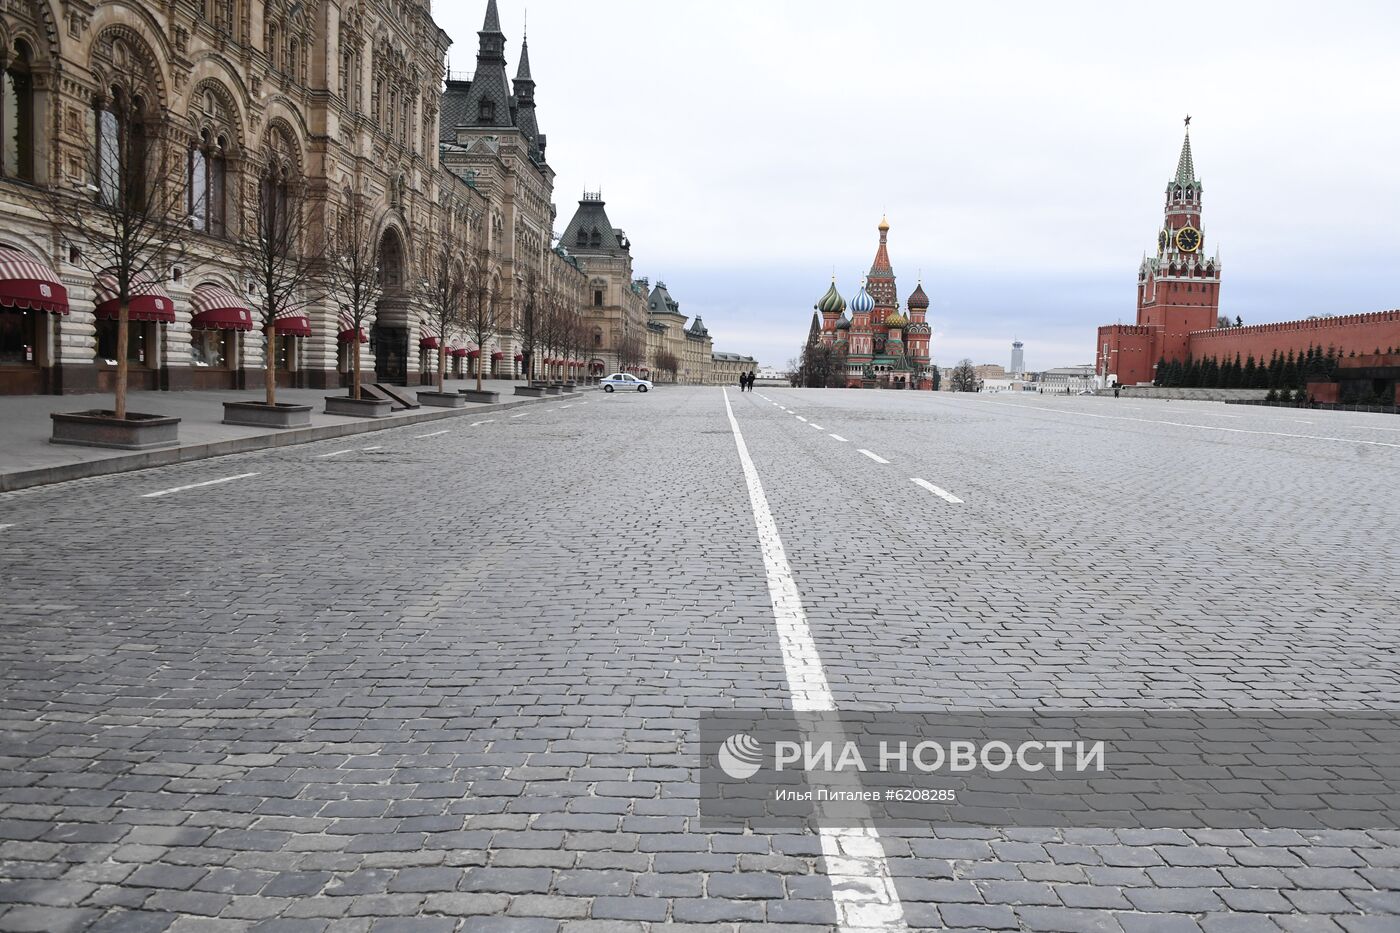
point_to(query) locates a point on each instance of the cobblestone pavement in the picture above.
(448, 677)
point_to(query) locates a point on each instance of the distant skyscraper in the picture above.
(1018, 358)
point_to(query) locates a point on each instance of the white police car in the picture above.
(625, 381)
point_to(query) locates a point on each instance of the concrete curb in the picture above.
(44, 476)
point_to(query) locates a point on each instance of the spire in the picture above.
(1185, 168)
(523, 72)
(488, 100)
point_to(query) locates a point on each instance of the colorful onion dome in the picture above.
(831, 302)
(884, 224)
(844, 323)
(862, 303)
(918, 301)
(895, 319)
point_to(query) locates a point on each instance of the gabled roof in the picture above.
(697, 328)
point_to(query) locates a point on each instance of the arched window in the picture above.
(17, 116)
(208, 172)
(121, 147)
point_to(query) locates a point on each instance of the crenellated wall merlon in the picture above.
(1324, 323)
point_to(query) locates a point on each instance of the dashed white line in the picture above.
(212, 482)
(434, 434)
(936, 490)
(375, 447)
(334, 453)
(862, 887)
(800, 418)
(487, 421)
(837, 437)
(567, 406)
(10, 525)
(815, 425)
(873, 456)
(521, 415)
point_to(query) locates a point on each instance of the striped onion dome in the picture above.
(831, 302)
(862, 303)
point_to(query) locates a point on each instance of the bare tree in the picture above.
(129, 217)
(579, 337)
(482, 308)
(531, 314)
(444, 297)
(964, 378)
(282, 252)
(353, 274)
(631, 351)
(667, 362)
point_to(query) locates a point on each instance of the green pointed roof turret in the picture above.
(831, 302)
(1185, 166)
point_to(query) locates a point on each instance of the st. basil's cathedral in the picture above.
(883, 348)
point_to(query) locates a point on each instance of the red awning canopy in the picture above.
(147, 301)
(428, 343)
(474, 353)
(348, 335)
(29, 284)
(292, 324)
(218, 308)
(520, 357)
(497, 355)
(463, 351)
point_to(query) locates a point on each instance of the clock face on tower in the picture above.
(1188, 239)
(1162, 241)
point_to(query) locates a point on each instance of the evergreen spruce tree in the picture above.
(1159, 377)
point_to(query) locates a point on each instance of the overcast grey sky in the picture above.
(1020, 149)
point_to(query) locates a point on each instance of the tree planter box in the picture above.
(532, 391)
(485, 396)
(263, 415)
(358, 407)
(99, 428)
(441, 400)
(570, 387)
(555, 389)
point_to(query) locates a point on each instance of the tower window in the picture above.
(487, 112)
(597, 297)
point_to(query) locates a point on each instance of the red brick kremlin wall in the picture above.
(1364, 333)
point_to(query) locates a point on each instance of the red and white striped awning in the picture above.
(463, 351)
(292, 323)
(147, 301)
(497, 355)
(348, 330)
(29, 284)
(428, 343)
(218, 308)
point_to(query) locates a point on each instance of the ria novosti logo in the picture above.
(740, 756)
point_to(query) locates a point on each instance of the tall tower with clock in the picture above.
(1179, 288)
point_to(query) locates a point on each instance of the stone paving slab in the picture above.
(28, 459)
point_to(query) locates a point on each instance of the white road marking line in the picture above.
(375, 447)
(876, 457)
(487, 421)
(837, 437)
(212, 482)
(800, 418)
(566, 406)
(10, 525)
(521, 415)
(862, 887)
(335, 453)
(815, 425)
(1214, 427)
(434, 434)
(937, 491)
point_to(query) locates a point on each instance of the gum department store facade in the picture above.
(351, 96)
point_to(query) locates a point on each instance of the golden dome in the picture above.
(884, 224)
